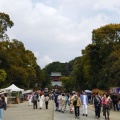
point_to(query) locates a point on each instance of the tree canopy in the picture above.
(5, 22)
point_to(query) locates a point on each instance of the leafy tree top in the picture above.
(5, 22)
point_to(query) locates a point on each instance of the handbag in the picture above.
(106, 106)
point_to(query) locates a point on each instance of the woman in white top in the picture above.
(29, 98)
(41, 101)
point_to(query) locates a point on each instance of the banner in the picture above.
(115, 90)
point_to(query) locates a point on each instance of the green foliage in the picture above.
(98, 67)
(19, 64)
(64, 68)
(2, 75)
(5, 22)
(68, 83)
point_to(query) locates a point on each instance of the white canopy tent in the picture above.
(88, 91)
(27, 91)
(13, 88)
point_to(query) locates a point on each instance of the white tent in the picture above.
(13, 88)
(88, 91)
(27, 91)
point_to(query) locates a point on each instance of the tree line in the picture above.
(17, 65)
(99, 64)
(97, 67)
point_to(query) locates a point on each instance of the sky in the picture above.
(57, 30)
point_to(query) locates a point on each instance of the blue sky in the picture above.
(57, 30)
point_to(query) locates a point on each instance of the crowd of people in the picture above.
(102, 103)
(38, 100)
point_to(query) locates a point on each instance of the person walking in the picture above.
(84, 100)
(66, 102)
(97, 105)
(41, 99)
(63, 102)
(70, 103)
(46, 101)
(59, 99)
(56, 101)
(114, 101)
(104, 104)
(77, 103)
(35, 99)
(2, 107)
(107, 111)
(29, 98)
(119, 104)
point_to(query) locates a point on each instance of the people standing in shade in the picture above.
(46, 101)
(2, 106)
(41, 101)
(84, 100)
(77, 103)
(35, 99)
(29, 98)
(97, 105)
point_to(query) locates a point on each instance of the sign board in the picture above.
(115, 90)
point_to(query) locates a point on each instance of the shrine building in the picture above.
(55, 76)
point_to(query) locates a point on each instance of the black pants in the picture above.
(46, 104)
(35, 104)
(107, 112)
(104, 110)
(97, 110)
(77, 110)
(56, 105)
(115, 106)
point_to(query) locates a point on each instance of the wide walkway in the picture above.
(24, 112)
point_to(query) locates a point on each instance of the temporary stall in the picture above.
(13, 89)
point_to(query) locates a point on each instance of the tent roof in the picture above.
(14, 88)
(88, 91)
(27, 91)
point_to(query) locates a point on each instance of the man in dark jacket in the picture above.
(115, 101)
(35, 99)
(55, 100)
(97, 104)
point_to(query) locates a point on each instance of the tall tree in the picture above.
(5, 22)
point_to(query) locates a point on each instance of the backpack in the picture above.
(75, 102)
(100, 101)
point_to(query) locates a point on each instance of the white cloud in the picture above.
(58, 30)
(43, 61)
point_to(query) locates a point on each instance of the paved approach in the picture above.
(24, 112)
